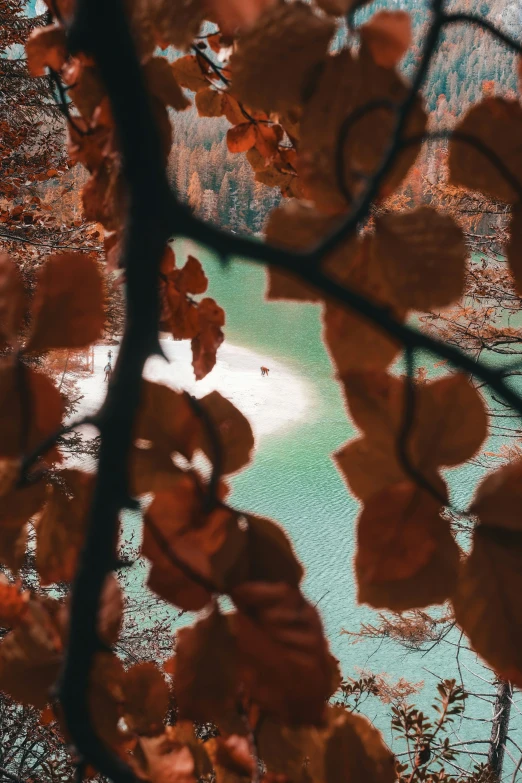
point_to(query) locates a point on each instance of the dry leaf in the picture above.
(387, 36)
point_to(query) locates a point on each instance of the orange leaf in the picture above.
(496, 125)
(60, 531)
(206, 674)
(422, 255)
(68, 307)
(232, 15)
(388, 36)
(167, 419)
(486, 602)
(209, 102)
(234, 432)
(162, 83)
(30, 655)
(46, 47)
(189, 74)
(301, 40)
(146, 696)
(514, 246)
(209, 337)
(31, 409)
(281, 645)
(13, 603)
(12, 301)
(241, 137)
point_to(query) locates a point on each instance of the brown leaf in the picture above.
(234, 431)
(191, 278)
(345, 85)
(151, 470)
(355, 750)
(233, 15)
(281, 645)
(167, 420)
(209, 102)
(60, 530)
(422, 255)
(495, 125)
(231, 758)
(241, 137)
(110, 611)
(30, 655)
(387, 36)
(295, 225)
(105, 699)
(189, 74)
(269, 555)
(162, 83)
(397, 533)
(14, 603)
(211, 317)
(449, 426)
(68, 309)
(514, 246)
(30, 410)
(46, 47)
(353, 341)
(340, 7)
(190, 551)
(146, 699)
(301, 40)
(175, 22)
(12, 301)
(206, 674)
(165, 759)
(486, 601)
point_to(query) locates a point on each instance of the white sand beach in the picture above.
(270, 403)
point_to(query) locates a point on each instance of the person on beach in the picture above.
(108, 367)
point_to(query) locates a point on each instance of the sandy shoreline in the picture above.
(271, 404)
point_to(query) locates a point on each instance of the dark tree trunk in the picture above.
(500, 727)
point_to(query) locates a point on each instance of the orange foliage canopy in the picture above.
(262, 666)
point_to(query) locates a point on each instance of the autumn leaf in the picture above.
(387, 36)
(206, 670)
(449, 425)
(175, 22)
(191, 278)
(105, 696)
(189, 74)
(167, 420)
(46, 47)
(281, 645)
(209, 102)
(233, 15)
(31, 409)
(12, 301)
(166, 759)
(269, 555)
(295, 225)
(492, 129)
(340, 7)
(30, 655)
(14, 602)
(355, 750)
(68, 308)
(514, 246)
(354, 342)
(301, 40)
(61, 527)
(211, 317)
(422, 255)
(146, 699)
(485, 603)
(162, 83)
(345, 85)
(190, 551)
(233, 429)
(241, 137)
(231, 758)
